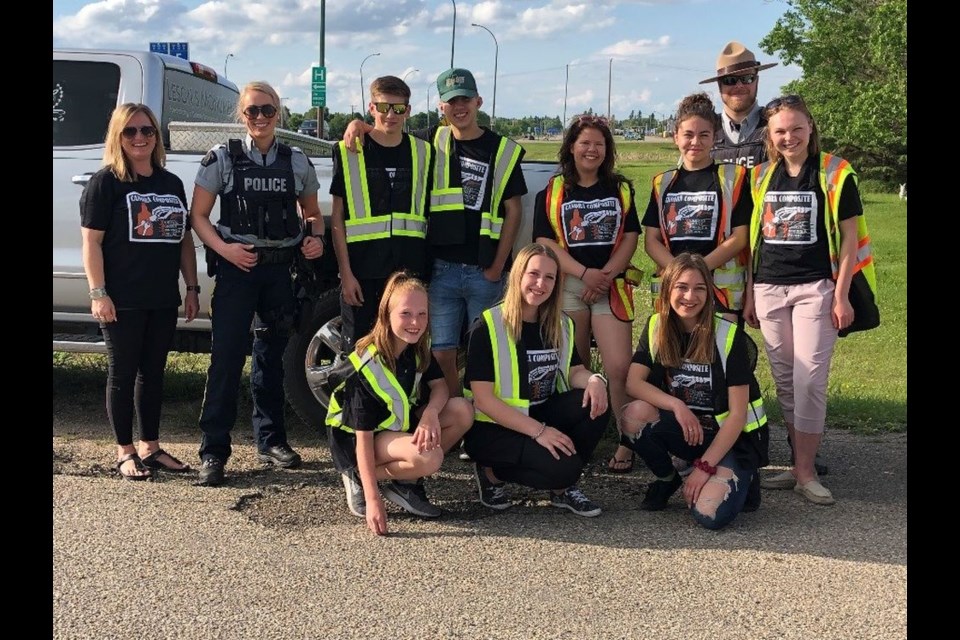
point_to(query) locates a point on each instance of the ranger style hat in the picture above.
(735, 60)
(456, 82)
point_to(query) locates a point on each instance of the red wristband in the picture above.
(705, 466)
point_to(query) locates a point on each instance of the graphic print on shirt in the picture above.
(693, 383)
(473, 179)
(542, 365)
(155, 218)
(789, 217)
(691, 215)
(594, 222)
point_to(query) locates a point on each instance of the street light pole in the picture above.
(404, 78)
(229, 55)
(363, 102)
(496, 59)
(428, 105)
(566, 82)
(453, 37)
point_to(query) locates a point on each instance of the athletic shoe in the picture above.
(659, 492)
(411, 497)
(211, 472)
(491, 495)
(355, 500)
(572, 498)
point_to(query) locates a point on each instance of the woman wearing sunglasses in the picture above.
(264, 186)
(588, 217)
(136, 238)
(808, 238)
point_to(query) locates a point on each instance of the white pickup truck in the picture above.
(195, 107)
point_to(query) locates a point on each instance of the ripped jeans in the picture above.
(658, 441)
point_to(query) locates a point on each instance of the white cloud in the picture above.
(628, 48)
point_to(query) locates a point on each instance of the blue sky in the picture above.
(660, 49)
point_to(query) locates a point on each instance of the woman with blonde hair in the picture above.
(392, 418)
(539, 412)
(698, 400)
(136, 242)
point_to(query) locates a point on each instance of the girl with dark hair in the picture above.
(392, 419)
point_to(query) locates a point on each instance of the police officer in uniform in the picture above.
(261, 183)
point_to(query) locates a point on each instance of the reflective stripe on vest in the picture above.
(834, 171)
(361, 225)
(445, 197)
(506, 365)
(724, 332)
(385, 385)
(554, 202)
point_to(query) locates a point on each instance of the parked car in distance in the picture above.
(308, 127)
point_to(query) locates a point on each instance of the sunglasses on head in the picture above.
(729, 81)
(785, 101)
(254, 110)
(148, 131)
(589, 120)
(398, 108)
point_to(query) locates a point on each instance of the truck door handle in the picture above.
(82, 179)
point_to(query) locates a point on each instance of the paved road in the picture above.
(275, 554)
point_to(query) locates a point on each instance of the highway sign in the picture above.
(178, 49)
(318, 87)
(320, 75)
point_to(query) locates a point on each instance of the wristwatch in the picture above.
(193, 287)
(98, 292)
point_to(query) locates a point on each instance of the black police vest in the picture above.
(263, 202)
(749, 152)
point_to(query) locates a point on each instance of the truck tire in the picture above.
(308, 358)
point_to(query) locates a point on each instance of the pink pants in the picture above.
(799, 337)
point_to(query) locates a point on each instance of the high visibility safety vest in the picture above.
(385, 384)
(729, 279)
(833, 171)
(446, 198)
(724, 331)
(362, 225)
(555, 206)
(506, 363)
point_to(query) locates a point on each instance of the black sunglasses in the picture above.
(130, 133)
(254, 110)
(729, 81)
(785, 101)
(399, 108)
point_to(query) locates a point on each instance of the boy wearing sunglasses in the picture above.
(741, 139)
(475, 212)
(379, 195)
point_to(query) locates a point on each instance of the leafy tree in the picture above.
(854, 59)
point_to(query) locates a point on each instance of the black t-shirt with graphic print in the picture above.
(477, 157)
(143, 223)
(538, 365)
(692, 206)
(793, 228)
(591, 219)
(363, 409)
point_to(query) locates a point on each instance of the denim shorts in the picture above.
(458, 293)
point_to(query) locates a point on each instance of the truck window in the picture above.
(84, 96)
(193, 98)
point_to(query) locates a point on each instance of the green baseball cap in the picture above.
(456, 82)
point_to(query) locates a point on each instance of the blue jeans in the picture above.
(656, 443)
(458, 291)
(266, 291)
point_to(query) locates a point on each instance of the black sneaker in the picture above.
(411, 497)
(280, 455)
(355, 500)
(752, 503)
(659, 492)
(491, 495)
(211, 472)
(572, 498)
(818, 462)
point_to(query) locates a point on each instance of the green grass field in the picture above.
(868, 379)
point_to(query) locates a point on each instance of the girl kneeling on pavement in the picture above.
(392, 418)
(697, 399)
(539, 412)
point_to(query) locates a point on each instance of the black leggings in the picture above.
(137, 347)
(515, 457)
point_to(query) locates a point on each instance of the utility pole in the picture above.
(323, 20)
(609, 86)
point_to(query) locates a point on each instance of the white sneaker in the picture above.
(683, 467)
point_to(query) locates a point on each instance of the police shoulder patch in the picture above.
(209, 159)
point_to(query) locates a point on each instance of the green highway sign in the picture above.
(318, 87)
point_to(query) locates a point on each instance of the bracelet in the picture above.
(705, 466)
(584, 272)
(543, 427)
(193, 287)
(603, 379)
